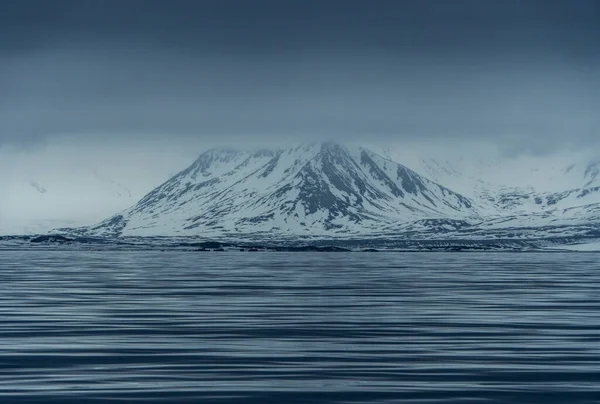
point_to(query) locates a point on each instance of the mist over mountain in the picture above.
(324, 190)
(67, 183)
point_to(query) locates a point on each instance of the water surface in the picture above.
(235, 327)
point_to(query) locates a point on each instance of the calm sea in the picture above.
(240, 327)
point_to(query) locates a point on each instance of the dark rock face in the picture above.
(443, 225)
(51, 238)
(312, 248)
(208, 245)
(588, 191)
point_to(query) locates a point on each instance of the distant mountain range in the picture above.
(328, 190)
(35, 204)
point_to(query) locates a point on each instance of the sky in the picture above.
(526, 73)
(130, 91)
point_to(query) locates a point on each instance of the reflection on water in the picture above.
(299, 328)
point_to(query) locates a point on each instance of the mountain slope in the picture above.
(505, 185)
(320, 189)
(30, 205)
(326, 190)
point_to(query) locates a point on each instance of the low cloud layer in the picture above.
(524, 75)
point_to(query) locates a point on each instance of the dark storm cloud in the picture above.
(517, 71)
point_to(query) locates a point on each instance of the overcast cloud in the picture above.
(525, 74)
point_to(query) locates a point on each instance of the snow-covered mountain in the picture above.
(330, 190)
(319, 189)
(519, 185)
(32, 202)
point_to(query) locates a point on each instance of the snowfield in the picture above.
(588, 247)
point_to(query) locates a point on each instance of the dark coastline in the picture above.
(316, 245)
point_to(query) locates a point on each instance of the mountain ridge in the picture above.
(330, 190)
(322, 187)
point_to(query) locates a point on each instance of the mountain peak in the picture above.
(322, 188)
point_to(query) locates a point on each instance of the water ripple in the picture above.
(299, 328)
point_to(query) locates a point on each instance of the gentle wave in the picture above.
(299, 327)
